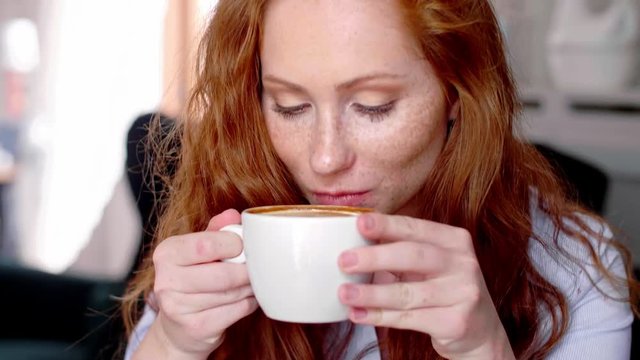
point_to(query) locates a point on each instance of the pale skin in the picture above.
(198, 296)
(359, 117)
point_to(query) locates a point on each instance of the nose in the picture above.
(330, 152)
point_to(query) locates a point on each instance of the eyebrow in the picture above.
(342, 86)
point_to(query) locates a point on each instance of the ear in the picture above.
(454, 111)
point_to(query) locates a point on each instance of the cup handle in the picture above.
(236, 229)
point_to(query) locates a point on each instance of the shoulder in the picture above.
(568, 262)
(599, 314)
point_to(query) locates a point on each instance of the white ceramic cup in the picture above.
(292, 259)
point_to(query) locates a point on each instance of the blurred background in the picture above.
(75, 74)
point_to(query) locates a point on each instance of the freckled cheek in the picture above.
(403, 156)
(290, 145)
(395, 150)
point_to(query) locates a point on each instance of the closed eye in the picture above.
(289, 112)
(375, 113)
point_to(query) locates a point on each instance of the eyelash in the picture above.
(289, 112)
(375, 113)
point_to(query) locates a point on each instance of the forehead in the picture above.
(335, 33)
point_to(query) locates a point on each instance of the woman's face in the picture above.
(354, 111)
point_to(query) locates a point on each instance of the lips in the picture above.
(342, 198)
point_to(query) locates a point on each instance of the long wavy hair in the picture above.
(482, 180)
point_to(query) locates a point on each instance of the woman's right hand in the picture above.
(198, 296)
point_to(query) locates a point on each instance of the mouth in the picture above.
(342, 198)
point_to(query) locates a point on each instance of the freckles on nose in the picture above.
(322, 160)
(330, 157)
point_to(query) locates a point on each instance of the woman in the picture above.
(407, 107)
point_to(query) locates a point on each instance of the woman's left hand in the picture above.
(427, 279)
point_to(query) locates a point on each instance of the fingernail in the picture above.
(368, 222)
(348, 259)
(350, 292)
(359, 314)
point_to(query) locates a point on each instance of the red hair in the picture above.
(482, 180)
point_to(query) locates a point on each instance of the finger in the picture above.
(197, 248)
(218, 319)
(439, 292)
(384, 277)
(177, 304)
(227, 217)
(440, 323)
(391, 228)
(396, 257)
(203, 278)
